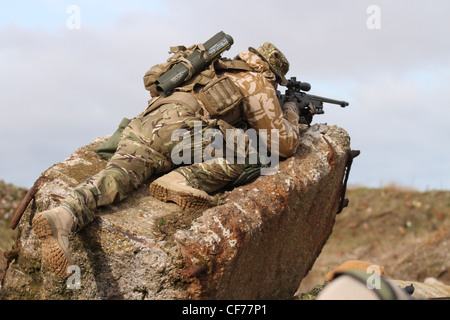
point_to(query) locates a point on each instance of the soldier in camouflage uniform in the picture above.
(145, 150)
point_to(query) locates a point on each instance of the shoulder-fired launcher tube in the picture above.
(180, 72)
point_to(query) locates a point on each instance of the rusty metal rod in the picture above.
(26, 200)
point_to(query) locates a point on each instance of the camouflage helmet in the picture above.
(276, 60)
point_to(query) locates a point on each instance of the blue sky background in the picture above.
(62, 88)
(52, 15)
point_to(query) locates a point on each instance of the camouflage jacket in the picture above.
(261, 107)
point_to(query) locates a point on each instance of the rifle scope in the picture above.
(294, 84)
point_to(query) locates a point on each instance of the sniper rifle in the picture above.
(308, 105)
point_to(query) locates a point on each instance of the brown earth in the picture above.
(406, 231)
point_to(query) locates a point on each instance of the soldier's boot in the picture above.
(174, 187)
(53, 228)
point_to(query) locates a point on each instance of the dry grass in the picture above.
(10, 198)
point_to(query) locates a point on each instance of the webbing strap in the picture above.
(203, 52)
(176, 49)
(233, 65)
(188, 64)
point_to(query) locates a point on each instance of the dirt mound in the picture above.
(406, 231)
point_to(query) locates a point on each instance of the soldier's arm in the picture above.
(263, 111)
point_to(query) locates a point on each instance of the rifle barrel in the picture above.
(343, 104)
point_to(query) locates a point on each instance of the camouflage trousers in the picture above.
(144, 151)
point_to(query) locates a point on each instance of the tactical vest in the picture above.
(210, 94)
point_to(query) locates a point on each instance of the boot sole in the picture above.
(53, 255)
(182, 198)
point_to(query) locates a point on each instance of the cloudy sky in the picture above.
(71, 70)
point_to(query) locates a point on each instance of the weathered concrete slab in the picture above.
(258, 243)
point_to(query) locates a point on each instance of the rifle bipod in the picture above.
(343, 202)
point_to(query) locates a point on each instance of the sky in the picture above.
(71, 70)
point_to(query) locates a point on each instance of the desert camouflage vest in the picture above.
(209, 93)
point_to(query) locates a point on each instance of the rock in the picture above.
(258, 243)
(426, 290)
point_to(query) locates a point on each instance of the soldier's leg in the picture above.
(133, 162)
(190, 186)
(131, 165)
(141, 153)
(144, 149)
(211, 175)
(236, 157)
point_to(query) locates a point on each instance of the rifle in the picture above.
(308, 105)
